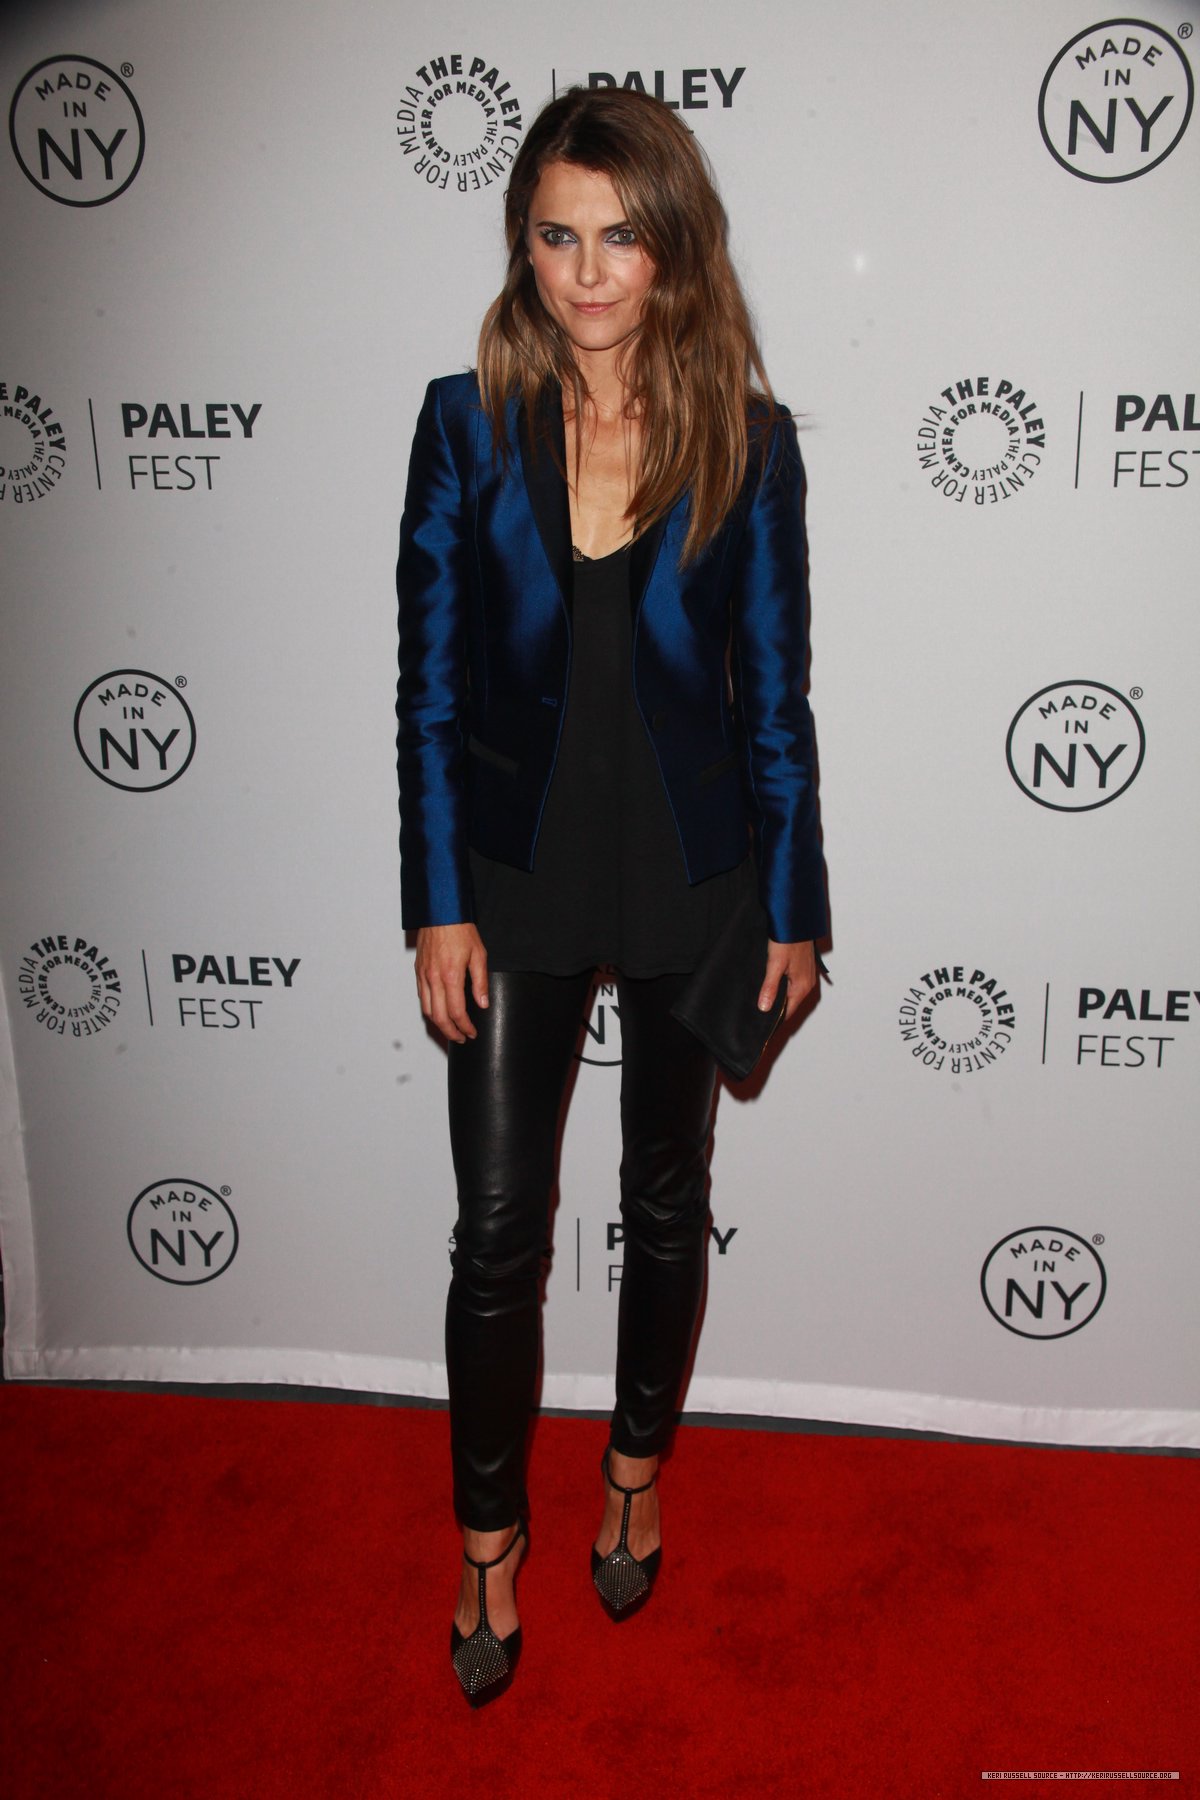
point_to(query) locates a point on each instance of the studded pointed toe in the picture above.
(484, 1663)
(624, 1582)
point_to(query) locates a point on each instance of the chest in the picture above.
(601, 484)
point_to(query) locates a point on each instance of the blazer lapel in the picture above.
(546, 487)
(642, 559)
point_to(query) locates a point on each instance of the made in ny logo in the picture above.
(982, 438)
(1043, 1281)
(135, 730)
(1076, 745)
(459, 125)
(33, 449)
(601, 1040)
(77, 130)
(1116, 100)
(183, 1232)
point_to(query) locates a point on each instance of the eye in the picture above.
(624, 236)
(555, 236)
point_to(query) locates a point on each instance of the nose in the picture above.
(588, 271)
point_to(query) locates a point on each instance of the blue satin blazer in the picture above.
(485, 585)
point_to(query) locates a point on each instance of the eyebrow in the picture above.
(558, 225)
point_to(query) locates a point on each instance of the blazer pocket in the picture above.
(728, 761)
(497, 758)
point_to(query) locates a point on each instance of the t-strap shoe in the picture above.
(622, 1582)
(484, 1663)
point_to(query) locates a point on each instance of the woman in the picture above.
(594, 523)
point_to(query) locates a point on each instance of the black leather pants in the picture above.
(505, 1090)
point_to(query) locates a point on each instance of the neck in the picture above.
(604, 381)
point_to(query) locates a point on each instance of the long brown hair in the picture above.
(690, 365)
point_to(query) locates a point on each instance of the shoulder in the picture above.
(764, 417)
(772, 440)
(454, 396)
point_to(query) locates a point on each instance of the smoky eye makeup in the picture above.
(622, 237)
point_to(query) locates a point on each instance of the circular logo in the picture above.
(33, 450)
(1042, 1282)
(1075, 745)
(602, 1028)
(135, 731)
(956, 1022)
(459, 124)
(182, 1232)
(981, 440)
(76, 130)
(1115, 101)
(69, 986)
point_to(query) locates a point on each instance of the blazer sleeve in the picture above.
(768, 667)
(431, 580)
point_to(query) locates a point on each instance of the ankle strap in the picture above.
(518, 1533)
(617, 1485)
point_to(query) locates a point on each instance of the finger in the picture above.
(801, 981)
(456, 1002)
(770, 986)
(442, 1012)
(479, 974)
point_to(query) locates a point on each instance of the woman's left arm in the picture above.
(768, 666)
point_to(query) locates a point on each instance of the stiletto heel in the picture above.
(484, 1663)
(622, 1582)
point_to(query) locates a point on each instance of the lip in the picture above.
(592, 309)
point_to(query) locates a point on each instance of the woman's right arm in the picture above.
(435, 882)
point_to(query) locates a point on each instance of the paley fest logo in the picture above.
(33, 449)
(614, 1237)
(221, 990)
(69, 986)
(955, 1023)
(165, 424)
(1159, 455)
(183, 1231)
(134, 730)
(1043, 1281)
(1076, 745)
(76, 130)
(982, 437)
(697, 89)
(1116, 100)
(459, 122)
(1116, 1026)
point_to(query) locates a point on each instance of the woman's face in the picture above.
(591, 272)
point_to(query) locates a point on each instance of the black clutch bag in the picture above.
(719, 1004)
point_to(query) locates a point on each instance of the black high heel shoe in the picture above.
(622, 1582)
(484, 1663)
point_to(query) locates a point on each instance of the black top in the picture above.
(609, 884)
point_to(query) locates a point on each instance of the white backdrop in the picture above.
(240, 241)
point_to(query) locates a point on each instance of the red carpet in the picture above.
(242, 1600)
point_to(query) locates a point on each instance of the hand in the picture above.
(445, 953)
(799, 963)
